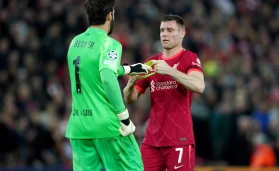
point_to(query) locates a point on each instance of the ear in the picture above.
(182, 33)
(109, 16)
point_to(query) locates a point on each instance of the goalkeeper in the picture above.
(99, 127)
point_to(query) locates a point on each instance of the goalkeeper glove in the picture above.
(127, 126)
(136, 69)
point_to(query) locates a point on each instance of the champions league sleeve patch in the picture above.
(112, 54)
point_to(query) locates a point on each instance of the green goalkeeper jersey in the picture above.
(92, 114)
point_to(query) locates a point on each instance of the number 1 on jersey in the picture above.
(76, 64)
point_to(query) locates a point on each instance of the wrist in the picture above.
(171, 72)
(123, 115)
(125, 122)
(127, 69)
(131, 85)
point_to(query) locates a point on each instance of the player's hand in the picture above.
(127, 129)
(127, 126)
(161, 67)
(133, 80)
(136, 69)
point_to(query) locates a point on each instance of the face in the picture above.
(111, 23)
(171, 34)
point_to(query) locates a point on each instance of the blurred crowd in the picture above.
(236, 119)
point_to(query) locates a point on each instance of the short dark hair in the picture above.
(179, 20)
(97, 10)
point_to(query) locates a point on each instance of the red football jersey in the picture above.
(170, 121)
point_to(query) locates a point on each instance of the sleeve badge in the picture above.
(112, 54)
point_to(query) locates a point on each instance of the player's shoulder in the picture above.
(190, 53)
(112, 42)
(80, 35)
(76, 37)
(189, 56)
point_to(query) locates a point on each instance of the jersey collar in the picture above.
(174, 56)
(96, 30)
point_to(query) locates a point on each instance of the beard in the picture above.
(111, 26)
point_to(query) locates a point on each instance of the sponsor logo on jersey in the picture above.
(152, 86)
(165, 85)
(112, 54)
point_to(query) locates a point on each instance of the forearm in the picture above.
(130, 94)
(110, 84)
(190, 82)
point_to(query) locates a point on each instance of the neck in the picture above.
(103, 27)
(171, 52)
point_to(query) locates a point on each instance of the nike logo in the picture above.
(177, 167)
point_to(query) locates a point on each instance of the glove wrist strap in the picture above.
(127, 69)
(125, 122)
(124, 115)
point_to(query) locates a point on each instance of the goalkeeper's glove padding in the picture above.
(136, 69)
(127, 126)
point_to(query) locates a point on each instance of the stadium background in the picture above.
(235, 119)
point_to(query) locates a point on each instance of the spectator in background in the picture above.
(240, 142)
(261, 115)
(263, 154)
(220, 118)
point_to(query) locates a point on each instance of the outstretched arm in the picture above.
(135, 69)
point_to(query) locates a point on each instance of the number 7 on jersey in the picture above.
(76, 64)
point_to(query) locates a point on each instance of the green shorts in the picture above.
(113, 154)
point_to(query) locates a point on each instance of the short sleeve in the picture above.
(142, 85)
(194, 63)
(111, 53)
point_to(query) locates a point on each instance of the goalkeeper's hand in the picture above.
(136, 69)
(127, 126)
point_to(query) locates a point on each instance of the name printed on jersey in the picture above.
(82, 44)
